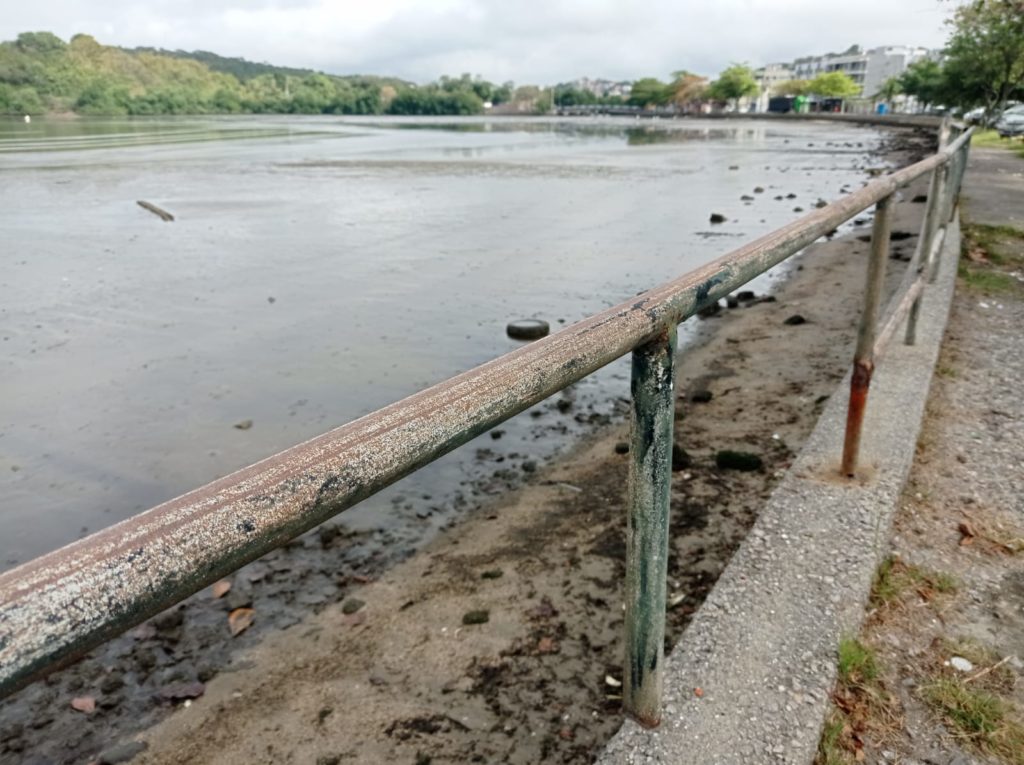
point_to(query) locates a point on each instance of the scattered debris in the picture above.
(351, 605)
(159, 212)
(84, 704)
(727, 459)
(240, 620)
(220, 589)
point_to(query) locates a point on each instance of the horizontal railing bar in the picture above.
(56, 607)
(904, 299)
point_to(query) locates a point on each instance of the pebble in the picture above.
(960, 664)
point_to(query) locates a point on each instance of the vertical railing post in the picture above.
(650, 478)
(863, 357)
(932, 217)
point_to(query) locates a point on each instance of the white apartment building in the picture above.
(887, 62)
(869, 69)
(768, 76)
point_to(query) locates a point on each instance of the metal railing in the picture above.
(55, 608)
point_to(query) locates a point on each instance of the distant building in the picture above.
(603, 88)
(869, 69)
(768, 78)
(887, 62)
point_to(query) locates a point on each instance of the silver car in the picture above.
(1011, 123)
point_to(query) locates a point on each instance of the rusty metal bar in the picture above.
(863, 357)
(905, 302)
(931, 266)
(932, 219)
(910, 336)
(650, 483)
(55, 608)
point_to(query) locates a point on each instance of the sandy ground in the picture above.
(397, 675)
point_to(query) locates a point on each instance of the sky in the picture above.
(527, 41)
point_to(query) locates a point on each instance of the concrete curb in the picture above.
(762, 648)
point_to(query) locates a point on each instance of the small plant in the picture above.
(831, 748)
(979, 718)
(862, 708)
(986, 280)
(894, 579)
(857, 664)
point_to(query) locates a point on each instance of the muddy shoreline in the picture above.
(544, 561)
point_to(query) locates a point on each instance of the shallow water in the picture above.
(319, 268)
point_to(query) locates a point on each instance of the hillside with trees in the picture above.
(41, 73)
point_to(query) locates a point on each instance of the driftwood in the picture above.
(164, 215)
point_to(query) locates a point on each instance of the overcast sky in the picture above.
(528, 41)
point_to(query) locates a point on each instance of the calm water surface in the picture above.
(320, 268)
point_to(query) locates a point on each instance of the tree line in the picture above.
(41, 73)
(982, 64)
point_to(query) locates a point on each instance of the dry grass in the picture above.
(862, 707)
(896, 582)
(977, 717)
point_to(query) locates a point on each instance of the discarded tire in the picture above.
(527, 329)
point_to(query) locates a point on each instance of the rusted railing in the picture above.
(57, 607)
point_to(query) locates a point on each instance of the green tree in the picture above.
(648, 92)
(792, 88)
(733, 84)
(889, 90)
(834, 85)
(925, 80)
(985, 55)
(40, 42)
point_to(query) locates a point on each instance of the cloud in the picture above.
(541, 41)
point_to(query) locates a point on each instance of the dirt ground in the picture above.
(500, 641)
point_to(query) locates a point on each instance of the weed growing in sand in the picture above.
(995, 241)
(862, 707)
(985, 249)
(830, 749)
(857, 664)
(979, 718)
(985, 280)
(894, 580)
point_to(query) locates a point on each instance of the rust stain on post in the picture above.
(859, 384)
(863, 359)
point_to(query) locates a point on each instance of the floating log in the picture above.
(164, 215)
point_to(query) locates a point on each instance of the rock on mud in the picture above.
(527, 329)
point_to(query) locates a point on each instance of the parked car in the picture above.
(1011, 124)
(977, 116)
